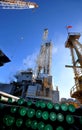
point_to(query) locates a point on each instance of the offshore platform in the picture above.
(38, 84)
(30, 104)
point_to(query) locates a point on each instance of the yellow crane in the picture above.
(76, 53)
(17, 4)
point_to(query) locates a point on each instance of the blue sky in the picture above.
(21, 36)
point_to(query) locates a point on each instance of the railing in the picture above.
(74, 33)
(4, 96)
(75, 88)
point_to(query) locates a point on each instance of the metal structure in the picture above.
(17, 4)
(76, 53)
(45, 56)
(4, 96)
(3, 58)
(28, 85)
(36, 87)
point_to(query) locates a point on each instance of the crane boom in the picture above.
(17, 4)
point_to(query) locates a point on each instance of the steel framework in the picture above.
(45, 56)
(76, 53)
(17, 4)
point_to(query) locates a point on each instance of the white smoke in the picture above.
(30, 60)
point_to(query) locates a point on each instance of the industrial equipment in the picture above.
(45, 56)
(3, 58)
(30, 105)
(38, 85)
(76, 53)
(17, 4)
(41, 115)
(44, 61)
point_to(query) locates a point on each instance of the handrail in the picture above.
(75, 88)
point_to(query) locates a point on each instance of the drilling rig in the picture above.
(39, 86)
(76, 53)
(45, 55)
(44, 63)
(17, 4)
